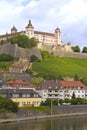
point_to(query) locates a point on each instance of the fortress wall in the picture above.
(7, 49)
(16, 51)
(70, 54)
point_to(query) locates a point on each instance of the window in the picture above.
(15, 95)
(56, 95)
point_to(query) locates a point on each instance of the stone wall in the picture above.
(15, 76)
(71, 109)
(69, 54)
(17, 51)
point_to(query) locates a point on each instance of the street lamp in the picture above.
(51, 107)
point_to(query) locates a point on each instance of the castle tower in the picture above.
(58, 36)
(29, 30)
(13, 30)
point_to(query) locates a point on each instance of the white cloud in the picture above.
(69, 15)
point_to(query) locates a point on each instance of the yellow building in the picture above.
(24, 97)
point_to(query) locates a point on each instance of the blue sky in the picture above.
(46, 15)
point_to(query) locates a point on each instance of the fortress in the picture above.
(47, 41)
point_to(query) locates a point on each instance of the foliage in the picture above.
(46, 103)
(76, 48)
(84, 50)
(29, 71)
(84, 80)
(49, 102)
(23, 41)
(76, 78)
(33, 58)
(8, 105)
(5, 65)
(56, 67)
(45, 55)
(39, 109)
(55, 102)
(78, 101)
(37, 81)
(6, 57)
(73, 96)
(61, 101)
(33, 42)
(67, 100)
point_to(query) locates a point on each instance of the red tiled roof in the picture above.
(16, 81)
(72, 84)
(11, 82)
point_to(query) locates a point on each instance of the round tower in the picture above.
(29, 30)
(13, 30)
(58, 36)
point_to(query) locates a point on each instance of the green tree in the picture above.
(6, 57)
(84, 80)
(46, 103)
(33, 58)
(55, 102)
(33, 42)
(78, 101)
(67, 100)
(45, 55)
(76, 78)
(76, 48)
(21, 40)
(61, 101)
(8, 105)
(84, 50)
(73, 96)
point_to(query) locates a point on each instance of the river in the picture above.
(63, 123)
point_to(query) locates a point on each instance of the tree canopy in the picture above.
(76, 48)
(84, 50)
(8, 105)
(23, 41)
(6, 57)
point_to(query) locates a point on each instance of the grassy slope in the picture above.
(64, 66)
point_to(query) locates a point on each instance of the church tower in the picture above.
(58, 36)
(29, 30)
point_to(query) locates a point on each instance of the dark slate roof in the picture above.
(14, 29)
(29, 24)
(10, 91)
(49, 84)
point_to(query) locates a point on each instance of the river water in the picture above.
(63, 123)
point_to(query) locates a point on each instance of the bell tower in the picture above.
(58, 36)
(29, 30)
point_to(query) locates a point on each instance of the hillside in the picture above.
(61, 66)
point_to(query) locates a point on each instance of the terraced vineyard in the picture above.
(61, 66)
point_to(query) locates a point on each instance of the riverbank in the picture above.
(57, 112)
(40, 117)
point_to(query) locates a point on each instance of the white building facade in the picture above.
(44, 38)
(61, 89)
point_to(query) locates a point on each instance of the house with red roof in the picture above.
(20, 84)
(55, 89)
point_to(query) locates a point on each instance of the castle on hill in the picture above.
(47, 41)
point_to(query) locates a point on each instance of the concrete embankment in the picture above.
(57, 112)
(40, 117)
